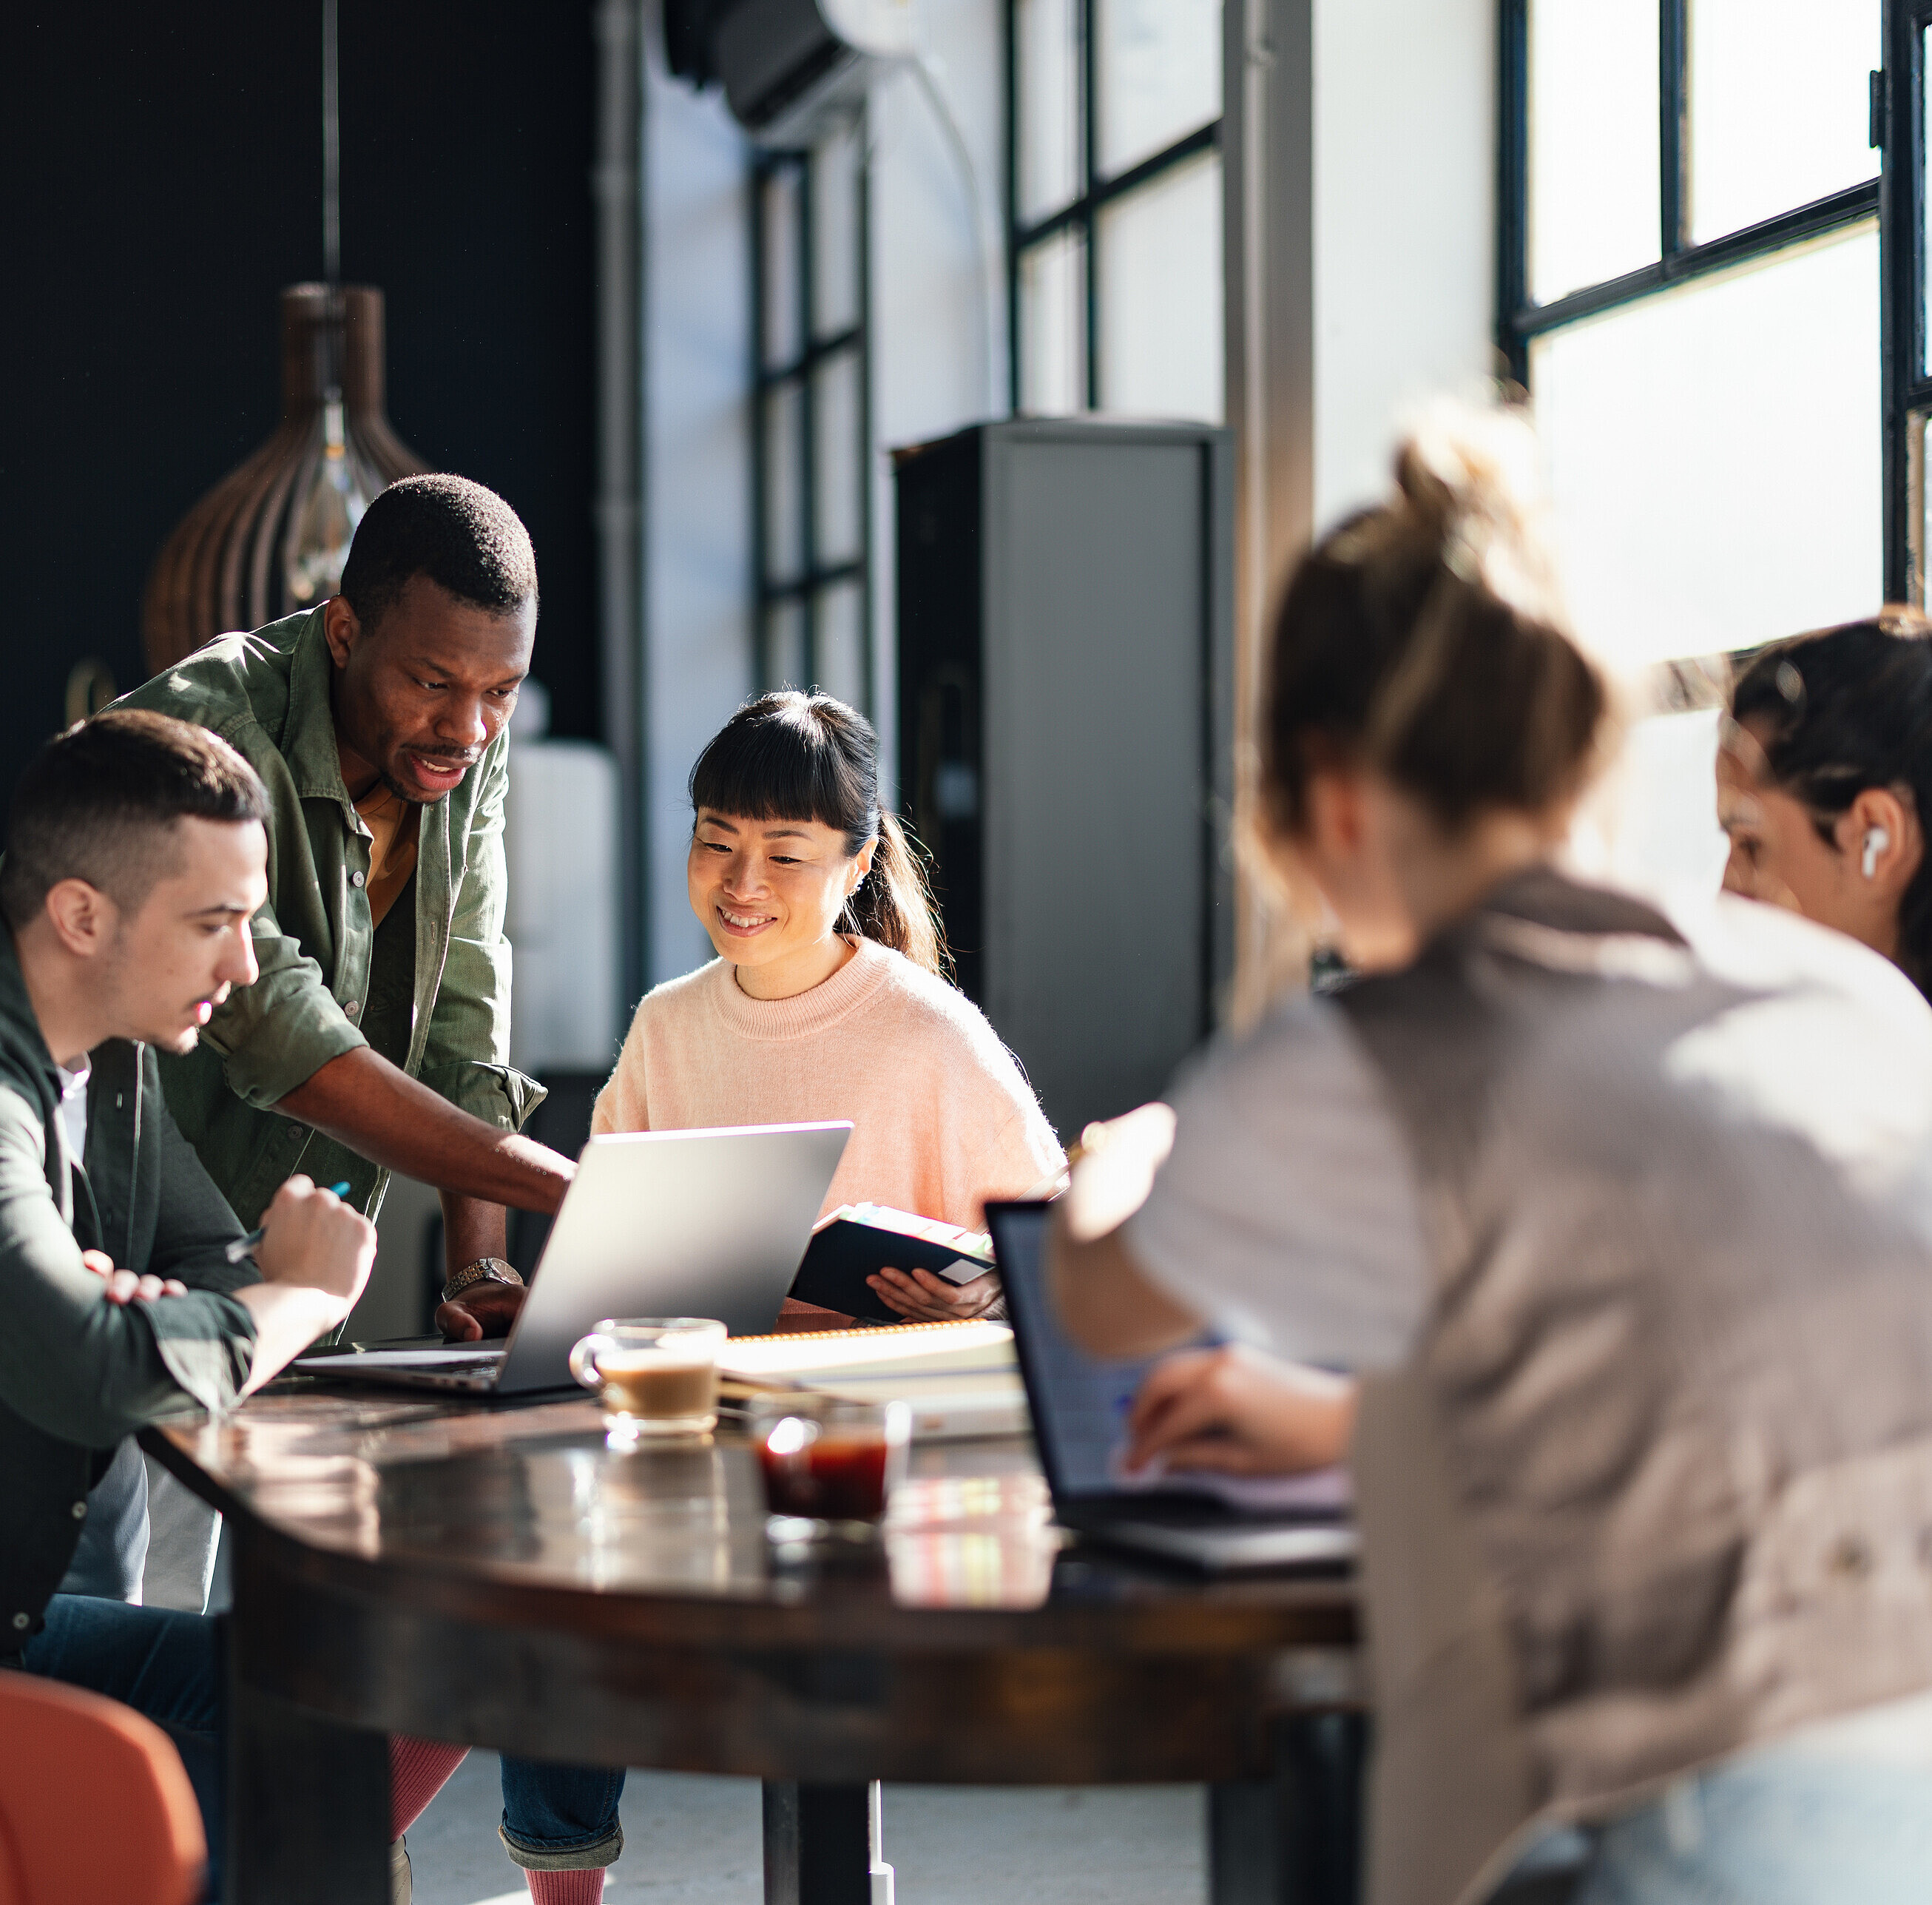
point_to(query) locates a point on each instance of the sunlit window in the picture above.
(1114, 207)
(812, 513)
(1694, 295)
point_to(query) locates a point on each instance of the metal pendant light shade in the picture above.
(271, 537)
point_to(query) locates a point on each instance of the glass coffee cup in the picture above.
(829, 1465)
(654, 1376)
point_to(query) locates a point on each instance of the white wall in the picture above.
(1405, 215)
(698, 632)
(939, 343)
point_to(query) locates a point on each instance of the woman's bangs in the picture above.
(770, 770)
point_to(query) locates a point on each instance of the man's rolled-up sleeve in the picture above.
(278, 1033)
(467, 1059)
(73, 1364)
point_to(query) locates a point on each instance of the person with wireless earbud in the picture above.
(1824, 772)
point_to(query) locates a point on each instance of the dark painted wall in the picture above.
(163, 180)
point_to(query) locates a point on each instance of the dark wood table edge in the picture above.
(1284, 1828)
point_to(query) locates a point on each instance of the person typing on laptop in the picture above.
(136, 859)
(1624, 1223)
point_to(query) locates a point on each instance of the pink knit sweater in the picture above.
(942, 1117)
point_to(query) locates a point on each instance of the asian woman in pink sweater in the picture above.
(828, 998)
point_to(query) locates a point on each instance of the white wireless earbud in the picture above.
(1877, 840)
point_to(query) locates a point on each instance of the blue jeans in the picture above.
(169, 1666)
(1777, 1828)
(1804, 1822)
(558, 1818)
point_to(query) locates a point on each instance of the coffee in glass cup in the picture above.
(654, 1375)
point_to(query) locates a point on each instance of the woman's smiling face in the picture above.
(769, 893)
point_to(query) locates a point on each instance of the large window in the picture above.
(1692, 289)
(811, 512)
(1114, 206)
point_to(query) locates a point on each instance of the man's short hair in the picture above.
(465, 538)
(97, 801)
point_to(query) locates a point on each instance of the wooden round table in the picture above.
(497, 1576)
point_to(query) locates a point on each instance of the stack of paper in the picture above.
(960, 1378)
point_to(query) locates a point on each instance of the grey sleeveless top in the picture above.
(1649, 1476)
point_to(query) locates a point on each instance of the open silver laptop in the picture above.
(657, 1223)
(1079, 1405)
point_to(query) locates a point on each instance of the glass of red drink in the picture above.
(828, 1466)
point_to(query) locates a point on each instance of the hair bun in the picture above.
(1468, 480)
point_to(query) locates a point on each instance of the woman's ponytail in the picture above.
(789, 756)
(894, 904)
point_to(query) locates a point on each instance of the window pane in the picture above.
(1046, 47)
(1714, 455)
(1158, 76)
(837, 450)
(785, 538)
(835, 238)
(1925, 51)
(841, 666)
(1779, 109)
(1919, 520)
(1650, 825)
(1053, 327)
(785, 646)
(1593, 142)
(781, 212)
(1160, 296)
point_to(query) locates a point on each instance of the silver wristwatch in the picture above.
(484, 1269)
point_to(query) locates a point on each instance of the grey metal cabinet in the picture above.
(1065, 671)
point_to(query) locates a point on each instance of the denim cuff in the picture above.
(593, 1855)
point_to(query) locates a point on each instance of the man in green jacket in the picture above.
(136, 858)
(377, 1037)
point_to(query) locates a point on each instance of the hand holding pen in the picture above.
(241, 1247)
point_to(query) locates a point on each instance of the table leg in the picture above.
(1293, 1837)
(824, 1845)
(308, 1807)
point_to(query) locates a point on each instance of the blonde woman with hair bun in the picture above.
(1598, 1245)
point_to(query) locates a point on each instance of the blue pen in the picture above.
(242, 1246)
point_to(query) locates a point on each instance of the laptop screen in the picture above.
(1081, 1402)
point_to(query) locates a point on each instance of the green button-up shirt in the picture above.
(324, 970)
(77, 1373)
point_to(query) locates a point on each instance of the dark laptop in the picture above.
(1080, 1404)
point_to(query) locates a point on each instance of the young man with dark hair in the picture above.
(137, 860)
(377, 1037)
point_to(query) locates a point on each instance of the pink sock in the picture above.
(418, 1770)
(582, 1887)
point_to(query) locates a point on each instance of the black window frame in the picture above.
(1895, 199)
(770, 383)
(1082, 214)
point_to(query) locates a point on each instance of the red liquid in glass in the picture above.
(835, 1478)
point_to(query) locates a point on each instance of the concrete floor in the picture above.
(694, 1841)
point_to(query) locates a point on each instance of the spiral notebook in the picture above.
(961, 1379)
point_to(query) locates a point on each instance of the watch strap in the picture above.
(483, 1270)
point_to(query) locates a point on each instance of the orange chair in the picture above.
(95, 1808)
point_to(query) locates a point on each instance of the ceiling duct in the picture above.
(787, 67)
